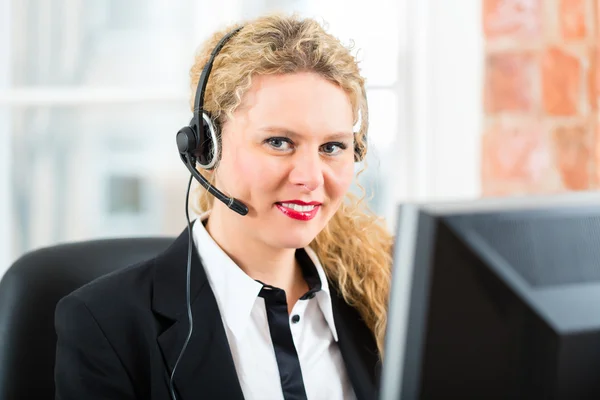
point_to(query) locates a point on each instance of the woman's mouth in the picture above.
(299, 210)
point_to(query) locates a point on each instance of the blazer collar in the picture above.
(358, 348)
(169, 295)
(207, 367)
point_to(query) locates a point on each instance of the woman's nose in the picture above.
(308, 172)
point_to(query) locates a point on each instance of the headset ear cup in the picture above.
(186, 140)
(208, 143)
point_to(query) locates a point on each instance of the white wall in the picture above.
(5, 215)
(444, 107)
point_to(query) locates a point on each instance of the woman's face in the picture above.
(288, 154)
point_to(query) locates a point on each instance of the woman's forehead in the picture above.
(306, 96)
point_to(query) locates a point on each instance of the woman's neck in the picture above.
(273, 266)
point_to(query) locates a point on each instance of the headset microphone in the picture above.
(230, 202)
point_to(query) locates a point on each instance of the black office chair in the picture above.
(29, 292)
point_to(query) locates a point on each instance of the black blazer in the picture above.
(120, 335)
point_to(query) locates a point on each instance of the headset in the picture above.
(198, 144)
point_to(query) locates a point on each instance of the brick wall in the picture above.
(541, 131)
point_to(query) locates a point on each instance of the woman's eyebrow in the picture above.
(292, 134)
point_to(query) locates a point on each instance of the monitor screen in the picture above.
(496, 299)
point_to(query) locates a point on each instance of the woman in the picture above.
(288, 301)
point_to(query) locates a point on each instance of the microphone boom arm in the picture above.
(230, 202)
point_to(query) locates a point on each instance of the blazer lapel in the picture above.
(358, 348)
(206, 368)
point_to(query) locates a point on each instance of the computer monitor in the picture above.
(495, 299)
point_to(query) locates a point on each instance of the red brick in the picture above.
(572, 19)
(573, 155)
(514, 153)
(596, 14)
(509, 82)
(596, 146)
(514, 18)
(561, 77)
(501, 189)
(593, 78)
(518, 188)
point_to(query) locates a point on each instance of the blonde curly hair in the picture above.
(354, 247)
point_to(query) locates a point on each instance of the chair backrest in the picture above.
(29, 292)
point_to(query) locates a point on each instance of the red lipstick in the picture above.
(298, 209)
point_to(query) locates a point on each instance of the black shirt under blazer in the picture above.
(120, 335)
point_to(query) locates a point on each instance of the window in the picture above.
(96, 90)
(124, 195)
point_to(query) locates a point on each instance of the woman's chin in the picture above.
(293, 240)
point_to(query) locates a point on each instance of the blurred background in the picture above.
(468, 98)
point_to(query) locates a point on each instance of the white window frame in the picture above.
(444, 99)
(5, 142)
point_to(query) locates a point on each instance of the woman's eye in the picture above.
(333, 148)
(279, 143)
